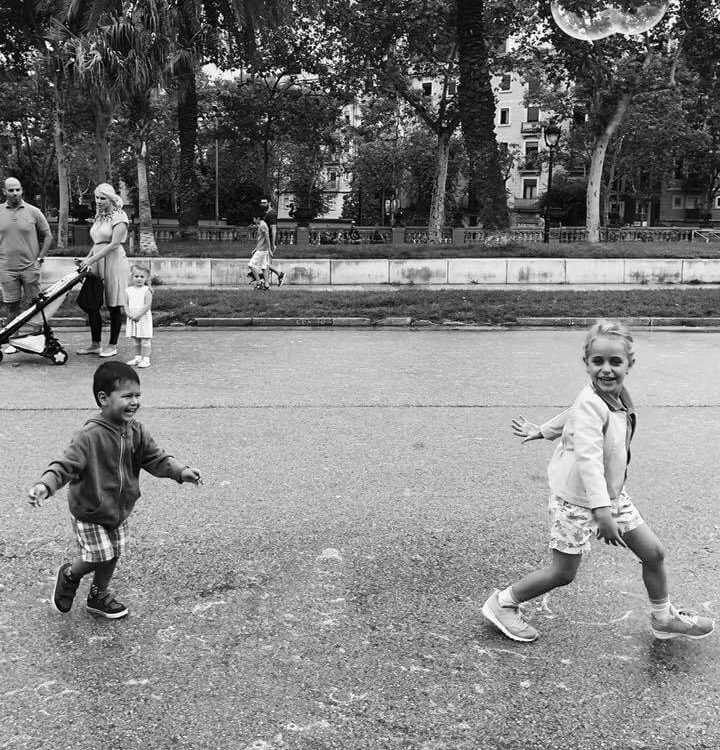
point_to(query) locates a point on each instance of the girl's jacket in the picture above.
(102, 465)
(589, 465)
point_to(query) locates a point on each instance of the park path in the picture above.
(363, 494)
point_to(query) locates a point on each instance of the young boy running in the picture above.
(588, 497)
(102, 465)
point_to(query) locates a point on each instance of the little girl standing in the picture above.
(139, 324)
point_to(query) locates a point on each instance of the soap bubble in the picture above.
(587, 26)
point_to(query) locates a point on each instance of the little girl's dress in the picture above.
(143, 328)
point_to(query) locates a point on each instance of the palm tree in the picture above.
(126, 58)
(42, 25)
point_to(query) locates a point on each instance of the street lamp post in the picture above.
(552, 136)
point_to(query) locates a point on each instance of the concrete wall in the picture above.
(216, 272)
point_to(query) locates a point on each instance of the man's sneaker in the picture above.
(281, 278)
(9, 349)
(64, 591)
(103, 603)
(135, 361)
(682, 624)
(508, 620)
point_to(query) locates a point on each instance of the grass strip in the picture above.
(466, 306)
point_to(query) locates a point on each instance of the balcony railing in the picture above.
(530, 127)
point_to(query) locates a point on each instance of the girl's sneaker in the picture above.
(682, 624)
(508, 620)
(135, 361)
(144, 362)
(103, 603)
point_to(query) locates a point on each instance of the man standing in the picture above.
(22, 229)
(270, 218)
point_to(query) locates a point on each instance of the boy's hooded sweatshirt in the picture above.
(102, 465)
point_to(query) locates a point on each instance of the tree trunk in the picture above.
(596, 169)
(437, 201)
(148, 246)
(188, 202)
(477, 114)
(102, 112)
(61, 157)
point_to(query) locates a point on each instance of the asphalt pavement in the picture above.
(363, 495)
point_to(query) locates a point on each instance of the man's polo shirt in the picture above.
(19, 230)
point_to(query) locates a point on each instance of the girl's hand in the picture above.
(607, 528)
(525, 429)
(191, 475)
(37, 494)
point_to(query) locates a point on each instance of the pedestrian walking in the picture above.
(102, 465)
(270, 218)
(138, 313)
(108, 261)
(25, 238)
(260, 259)
(587, 493)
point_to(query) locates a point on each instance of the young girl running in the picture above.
(139, 323)
(587, 494)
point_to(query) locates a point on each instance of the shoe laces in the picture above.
(519, 620)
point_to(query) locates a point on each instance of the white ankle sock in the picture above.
(660, 608)
(506, 598)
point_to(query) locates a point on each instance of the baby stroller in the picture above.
(42, 309)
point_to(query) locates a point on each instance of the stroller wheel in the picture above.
(60, 357)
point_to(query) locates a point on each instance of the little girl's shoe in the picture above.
(144, 362)
(134, 361)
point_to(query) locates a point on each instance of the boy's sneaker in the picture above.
(144, 362)
(682, 624)
(103, 603)
(64, 591)
(508, 620)
(134, 362)
(281, 278)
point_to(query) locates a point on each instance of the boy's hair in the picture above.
(136, 267)
(611, 328)
(109, 374)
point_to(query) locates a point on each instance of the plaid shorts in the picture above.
(98, 544)
(572, 526)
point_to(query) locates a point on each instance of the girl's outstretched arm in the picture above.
(525, 429)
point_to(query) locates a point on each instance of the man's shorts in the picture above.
(260, 259)
(13, 283)
(572, 526)
(98, 544)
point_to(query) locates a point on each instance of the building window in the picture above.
(504, 116)
(529, 189)
(427, 88)
(717, 201)
(533, 114)
(691, 201)
(505, 82)
(332, 176)
(533, 84)
(677, 201)
(531, 154)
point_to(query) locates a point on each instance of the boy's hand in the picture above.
(525, 429)
(607, 528)
(191, 475)
(37, 494)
